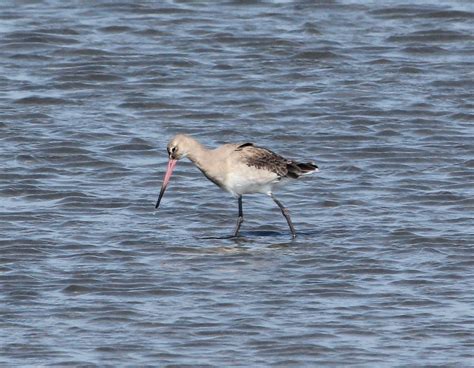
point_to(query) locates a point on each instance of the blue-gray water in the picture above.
(378, 93)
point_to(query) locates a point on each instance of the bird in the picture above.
(238, 168)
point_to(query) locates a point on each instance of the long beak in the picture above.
(169, 171)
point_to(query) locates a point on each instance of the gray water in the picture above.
(378, 94)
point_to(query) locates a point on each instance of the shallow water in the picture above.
(379, 94)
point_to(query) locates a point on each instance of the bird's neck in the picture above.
(206, 161)
(198, 154)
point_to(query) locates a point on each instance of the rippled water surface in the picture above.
(378, 93)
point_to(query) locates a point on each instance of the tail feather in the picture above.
(297, 169)
(308, 167)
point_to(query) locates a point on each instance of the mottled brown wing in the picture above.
(263, 159)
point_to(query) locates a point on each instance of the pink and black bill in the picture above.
(169, 171)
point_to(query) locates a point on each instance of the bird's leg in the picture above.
(285, 213)
(240, 219)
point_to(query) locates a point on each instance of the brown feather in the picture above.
(264, 159)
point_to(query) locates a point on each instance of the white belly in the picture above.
(251, 181)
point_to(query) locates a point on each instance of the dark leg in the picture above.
(240, 219)
(285, 213)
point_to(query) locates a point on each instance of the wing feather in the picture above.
(263, 159)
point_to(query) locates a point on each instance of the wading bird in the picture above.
(237, 168)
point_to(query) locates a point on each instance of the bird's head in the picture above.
(177, 149)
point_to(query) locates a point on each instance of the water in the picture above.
(378, 94)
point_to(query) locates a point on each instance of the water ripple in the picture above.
(378, 94)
